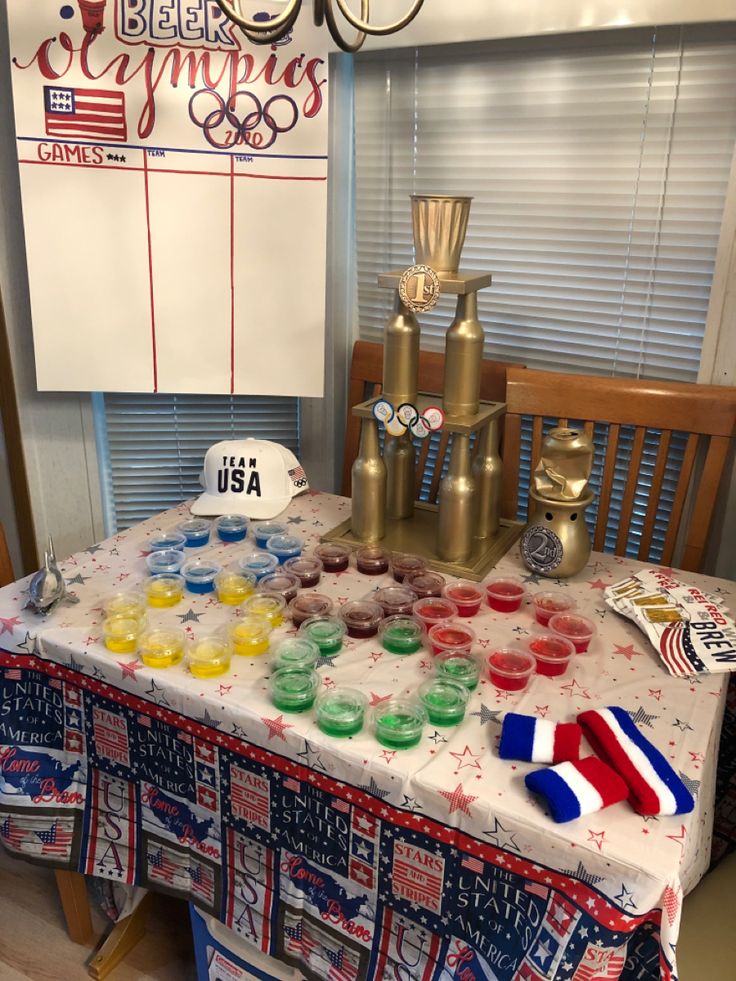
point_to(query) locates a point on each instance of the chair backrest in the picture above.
(640, 427)
(366, 375)
(6, 566)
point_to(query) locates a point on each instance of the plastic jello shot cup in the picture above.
(326, 632)
(231, 527)
(546, 604)
(162, 648)
(263, 530)
(460, 666)
(395, 600)
(209, 657)
(425, 583)
(126, 603)
(340, 712)
(160, 540)
(307, 605)
(258, 563)
(434, 609)
(510, 668)
(165, 560)
(467, 597)
(576, 628)
(333, 556)
(200, 574)
(196, 531)
(122, 633)
(286, 584)
(233, 588)
(450, 636)
(401, 635)
(308, 570)
(403, 565)
(444, 700)
(284, 546)
(372, 560)
(295, 652)
(164, 590)
(250, 636)
(361, 617)
(504, 595)
(271, 606)
(398, 723)
(552, 653)
(294, 689)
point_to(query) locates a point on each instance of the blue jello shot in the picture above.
(199, 575)
(258, 563)
(231, 527)
(263, 530)
(161, 540)
(284, 546)
(196, 532)
(165, 560)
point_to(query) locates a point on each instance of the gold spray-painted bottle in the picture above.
(457, 490)
(463, 357)
(399, 456)
(401, 356)
(487, 472)
(368, 521)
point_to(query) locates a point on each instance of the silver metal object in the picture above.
(47, 587)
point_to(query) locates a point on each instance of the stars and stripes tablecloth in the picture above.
(351, 860)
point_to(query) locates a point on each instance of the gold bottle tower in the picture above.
(369, 486)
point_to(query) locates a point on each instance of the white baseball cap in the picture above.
(254, 477)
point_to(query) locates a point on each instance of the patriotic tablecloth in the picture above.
(349, 859)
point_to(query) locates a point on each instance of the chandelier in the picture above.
(275, 28)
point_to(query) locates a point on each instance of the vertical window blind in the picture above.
(152, 447)
(598, 165)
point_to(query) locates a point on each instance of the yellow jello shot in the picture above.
(268, 605)
(162, 648)
(233, 588)
(166, 589)
(209, 657)
(126, 603)
(122, 633)
(250, 636)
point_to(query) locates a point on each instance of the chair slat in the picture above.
(589, 428)
(421, 465)
(680, 494)
(660, 465)
(604, 500)
(511, 458)
(710, 480)
(434, 487)
(537, 424)
(627, 504)
(562, 423)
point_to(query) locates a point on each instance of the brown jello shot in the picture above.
(333, 556)
(394, 600)
(426, 583)
(403, 565)
(307, 605)
(361, 618)
(372, 560)
(286, 584)
(308, 570)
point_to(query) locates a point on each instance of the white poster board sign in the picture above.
(174, 180)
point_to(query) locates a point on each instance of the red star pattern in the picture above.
(276, 727)
(459, 800)
(388, 754)
(129, 670)
(656, 693)
(679, 839)
(597, 837)
(8, 623)
(377, 699)
(542, 710)
(224, 690)
(574, 689)
(466, 758)
(628, 652)
(598, 584)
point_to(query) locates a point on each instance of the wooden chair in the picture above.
(366, 374)
(71, 885)
(647, 414)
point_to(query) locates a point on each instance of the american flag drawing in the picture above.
(292, 784)
(297, 474)
(340, 805)
(203, 883)
(11, 834)
(56, 840)
(341, 969)
(88, 113)
(298, 940)
(677, 651)
(161, 867)
(474, 864)
(12, 674)
(536, 890)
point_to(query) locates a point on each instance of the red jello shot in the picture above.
(403, 565)
(361, 617)
(504, 595)
(450, 636)
(552, 653)
(547, 604)
(578, 629)
(467, 597)
(333, 556)
(510, 669)
(425, 583)
(434, 609)
(372, 560)
(395, 600)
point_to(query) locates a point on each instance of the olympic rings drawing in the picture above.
(248, 130)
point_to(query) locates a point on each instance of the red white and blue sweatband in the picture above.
(578, 787)
(654, 787)
(523, 737)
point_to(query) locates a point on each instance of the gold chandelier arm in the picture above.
(361, 24)
(349, 46)
(255, 27)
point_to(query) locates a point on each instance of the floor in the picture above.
(34, 945)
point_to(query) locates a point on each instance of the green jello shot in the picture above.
(340, 712)
(326, 632)
(294, 689)
(398, 723)
(401, 635)
(460, 666)
(444, 700)
(295, 652)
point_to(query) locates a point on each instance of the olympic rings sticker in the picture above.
(223, 128)
(394, 427)
(407, 413)
(383, 411)
(434, 417)
(419, 428)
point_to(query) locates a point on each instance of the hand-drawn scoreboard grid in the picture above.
(321, 874)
